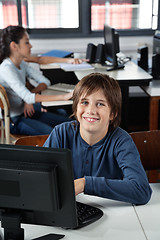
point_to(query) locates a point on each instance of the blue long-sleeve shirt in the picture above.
(112, 167)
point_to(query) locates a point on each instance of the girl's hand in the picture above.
(79, 185)
(28, 110)
(76, 60)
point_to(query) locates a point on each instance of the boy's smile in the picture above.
(89, 119)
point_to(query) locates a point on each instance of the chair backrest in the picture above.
(148, 144)
(3, 98)
(5, 127)
(32, 140)
(5, 106)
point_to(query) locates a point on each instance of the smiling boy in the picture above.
(106, 162)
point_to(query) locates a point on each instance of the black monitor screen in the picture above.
(156, 45)
(111, 45)
(36, 184)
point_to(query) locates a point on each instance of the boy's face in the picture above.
(94, 115)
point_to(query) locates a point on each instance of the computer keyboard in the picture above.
(64, 87)
(87, 214)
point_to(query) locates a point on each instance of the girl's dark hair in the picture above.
(9, 34)
(92, 83)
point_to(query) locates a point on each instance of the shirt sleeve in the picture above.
(36, 75)
(133, 187)
(13, 80)
(53, 141)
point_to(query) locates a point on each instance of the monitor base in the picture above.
(50, 236)
(12, 229)
(112, 68)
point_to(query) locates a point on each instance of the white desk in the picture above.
(55, 103)
(121, 221)
(149, 214)
(118, 222)
(132, 74)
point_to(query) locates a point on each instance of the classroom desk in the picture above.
(55, 103)
(118, 222)
(153, 91)
(121, 221)
(149, 214)
(131, 75)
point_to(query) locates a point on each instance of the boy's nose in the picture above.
(91, 109)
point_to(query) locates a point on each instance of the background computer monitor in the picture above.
(156, 42)
(36, 187)
(111, 48)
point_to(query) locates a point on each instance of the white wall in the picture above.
(128, 45)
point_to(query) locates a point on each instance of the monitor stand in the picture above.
(11, 222)
(50, 236)
(118, 66)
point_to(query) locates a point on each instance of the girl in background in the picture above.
(26, 116)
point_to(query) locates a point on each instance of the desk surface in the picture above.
(149, 214)
(120, 221)
(132, 74)
(55, 103)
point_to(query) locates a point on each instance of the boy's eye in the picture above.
(100, 104)
(84, 103)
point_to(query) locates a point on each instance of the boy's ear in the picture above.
(112, 116)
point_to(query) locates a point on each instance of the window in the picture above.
(50, 14)
(8, 13)
(80, 18)
(40, 14)
(124, 14)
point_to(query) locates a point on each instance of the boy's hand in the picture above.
(79, 185)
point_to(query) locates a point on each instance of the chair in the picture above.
(32, 140)
(148, 145)
(4, 105)
(5, 121)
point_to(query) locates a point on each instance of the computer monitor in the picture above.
(36, 187)
(156, 42)
(111, 48)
